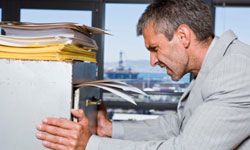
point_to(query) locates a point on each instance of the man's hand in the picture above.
(104, 125)
(63, 134)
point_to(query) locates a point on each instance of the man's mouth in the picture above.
(162, 66)
(169, 72)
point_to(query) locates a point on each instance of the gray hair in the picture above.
(168, 15)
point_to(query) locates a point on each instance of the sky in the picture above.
(42, 15)
(235, 18)
(123, 27)
(121, 20)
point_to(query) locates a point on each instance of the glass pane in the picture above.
(43, 16)
(0, 14)
(234, 18)
(127, 58)
(121, 21)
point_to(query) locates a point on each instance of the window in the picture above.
(121, 21)
(0, 14)
(46, 16)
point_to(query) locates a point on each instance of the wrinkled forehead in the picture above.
(150, 25)
(149, 34)
(152, 38)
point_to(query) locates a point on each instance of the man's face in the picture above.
(171, 55)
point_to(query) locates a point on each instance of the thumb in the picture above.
(78, 114)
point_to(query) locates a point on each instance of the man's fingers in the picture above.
(78, 113)
(52, 138)
(60, 122)
(54, 146)
(57, 131)
(63, 134)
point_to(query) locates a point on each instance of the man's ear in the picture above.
(184, 34)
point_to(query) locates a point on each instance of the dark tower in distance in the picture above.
(121, 72)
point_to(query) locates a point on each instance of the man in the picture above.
(214, 112)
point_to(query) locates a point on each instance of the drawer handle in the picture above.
(93, 102)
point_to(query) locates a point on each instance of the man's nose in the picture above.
(153, 59)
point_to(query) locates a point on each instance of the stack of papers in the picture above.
(48, 41)
(62, 52)
(116, 87)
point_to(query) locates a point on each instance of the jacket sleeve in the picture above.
(147, 129)
(214, 125)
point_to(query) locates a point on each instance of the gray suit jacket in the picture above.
(213, 114)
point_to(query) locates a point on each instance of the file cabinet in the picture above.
(33, 90)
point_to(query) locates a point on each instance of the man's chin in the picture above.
(175, 78)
